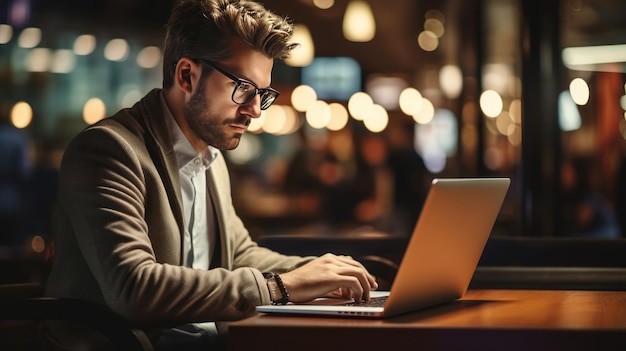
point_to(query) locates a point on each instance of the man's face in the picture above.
(211, 113)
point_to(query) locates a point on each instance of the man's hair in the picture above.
(205, 28)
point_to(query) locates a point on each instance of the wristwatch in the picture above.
(278, 292)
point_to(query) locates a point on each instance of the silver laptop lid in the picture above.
(440, 259)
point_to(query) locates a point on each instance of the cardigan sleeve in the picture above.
(239, 249)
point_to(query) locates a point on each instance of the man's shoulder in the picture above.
(136, 118)
(130, 122)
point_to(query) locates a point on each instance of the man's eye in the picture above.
(245, 87)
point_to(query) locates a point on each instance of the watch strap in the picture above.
(278, 292)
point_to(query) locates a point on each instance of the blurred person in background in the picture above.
(41, 192)
(586, 212)
(410, 180)
(373, 183)
(15, 169)
(146, 224)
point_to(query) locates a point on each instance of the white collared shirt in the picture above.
(199, 236)
(200, 229)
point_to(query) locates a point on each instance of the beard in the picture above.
(209, 127)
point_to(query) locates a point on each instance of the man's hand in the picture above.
(329, 275)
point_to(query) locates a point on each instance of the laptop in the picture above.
(440, 259)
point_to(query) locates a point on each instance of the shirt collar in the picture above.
(185, 153)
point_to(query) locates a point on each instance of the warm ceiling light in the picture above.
(338, 116)
(149, 57)
(360, 105)
(6, 32)
(29, 38)
(358, 22)
(85, 44)
(304, 53)
(21, 115)
(410, 101)
(302, 96)
(515, 111)
(318, 114)
(434, 26)
(93, 111)
(491, 103)
(276, 119)
(426, 112)
(377, 120)
(428, 41)
(593, 55)
(451, 81)
(324, 4)
(116, 50)
(579, 90)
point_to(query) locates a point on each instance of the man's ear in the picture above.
(187, 74)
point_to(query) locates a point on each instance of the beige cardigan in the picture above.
(118, 234)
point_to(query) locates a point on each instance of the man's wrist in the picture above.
(278, 292)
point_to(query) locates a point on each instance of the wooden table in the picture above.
(482, 320)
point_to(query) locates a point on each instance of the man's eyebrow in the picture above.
(255, 83)
(245, 77)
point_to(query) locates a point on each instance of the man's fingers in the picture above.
(368, 281)
(330, 275)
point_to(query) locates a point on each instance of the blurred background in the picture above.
(380, 98)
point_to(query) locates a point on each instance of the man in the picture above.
(146, 224)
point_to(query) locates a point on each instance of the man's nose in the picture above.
(253, 107)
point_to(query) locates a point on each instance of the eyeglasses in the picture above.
(246, 90)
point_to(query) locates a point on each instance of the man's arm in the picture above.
(118, 208)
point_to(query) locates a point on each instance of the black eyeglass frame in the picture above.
(273, 93)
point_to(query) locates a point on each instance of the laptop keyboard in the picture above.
(373, 302)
